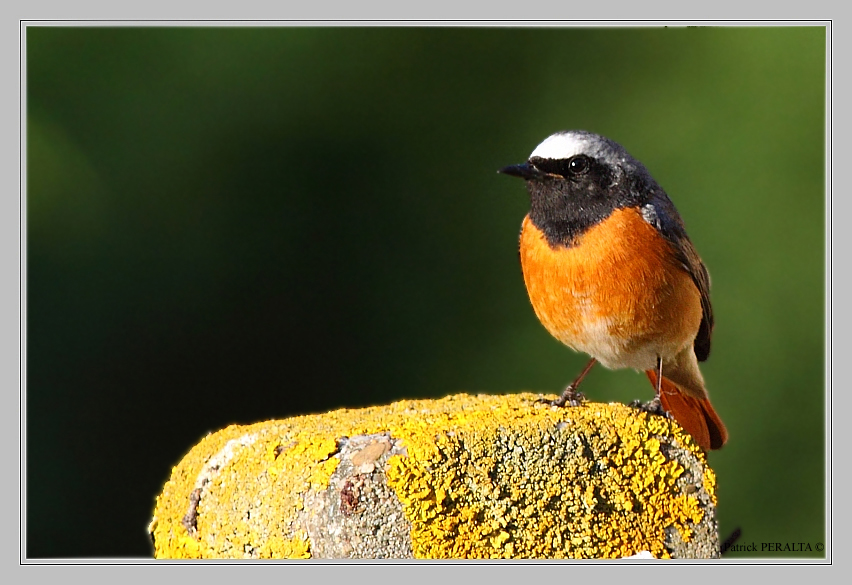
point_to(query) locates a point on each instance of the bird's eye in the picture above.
(577, 165)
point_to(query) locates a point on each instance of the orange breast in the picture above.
(618, 294)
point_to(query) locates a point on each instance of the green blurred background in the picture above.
(227, 225)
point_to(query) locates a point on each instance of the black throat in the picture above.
(564, 211)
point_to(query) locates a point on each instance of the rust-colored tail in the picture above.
(695, 415)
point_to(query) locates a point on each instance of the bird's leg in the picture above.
(654, 406)
(570, 396)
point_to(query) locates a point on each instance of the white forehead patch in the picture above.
(561, 146)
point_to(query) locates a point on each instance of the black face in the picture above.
(568, 196)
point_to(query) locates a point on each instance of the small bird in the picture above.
(610, 272)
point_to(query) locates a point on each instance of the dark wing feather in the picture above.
(696, 269)
(660, 212)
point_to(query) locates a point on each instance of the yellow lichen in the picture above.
(625, 509)
(709, 483)
(483, 477)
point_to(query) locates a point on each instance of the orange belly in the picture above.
(618, 294)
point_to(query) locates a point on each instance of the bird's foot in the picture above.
(569, 397)
(653, 406)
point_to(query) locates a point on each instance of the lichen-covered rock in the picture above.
(462, 477)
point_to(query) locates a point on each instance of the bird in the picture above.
(610, 272)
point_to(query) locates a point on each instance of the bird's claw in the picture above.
(653, 406)
(568, 398)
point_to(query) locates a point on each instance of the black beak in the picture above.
(524, 170)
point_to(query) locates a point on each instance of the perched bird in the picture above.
(610, 272)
